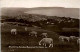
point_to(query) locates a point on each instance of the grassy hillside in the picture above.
(22, 39)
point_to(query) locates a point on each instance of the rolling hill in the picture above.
(48, 11)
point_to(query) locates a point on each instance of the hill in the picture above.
(49, 11)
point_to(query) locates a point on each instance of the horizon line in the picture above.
(40, 7)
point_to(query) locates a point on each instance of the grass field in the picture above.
(22, 39)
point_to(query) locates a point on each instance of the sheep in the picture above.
(46, 41)
(44, 34)
(33, 33)
(63, 38)
(13, 31)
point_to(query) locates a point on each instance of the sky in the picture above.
(40, 3)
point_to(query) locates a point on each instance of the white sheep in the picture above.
(13, 31)
(46, 41)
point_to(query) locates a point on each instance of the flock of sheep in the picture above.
(49, 41)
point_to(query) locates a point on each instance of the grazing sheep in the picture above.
(13, 31)
(72, 37)
(44, 34)
(63, 38)
(46, 41)
(33, 33)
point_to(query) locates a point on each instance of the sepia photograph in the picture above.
(40, 25)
